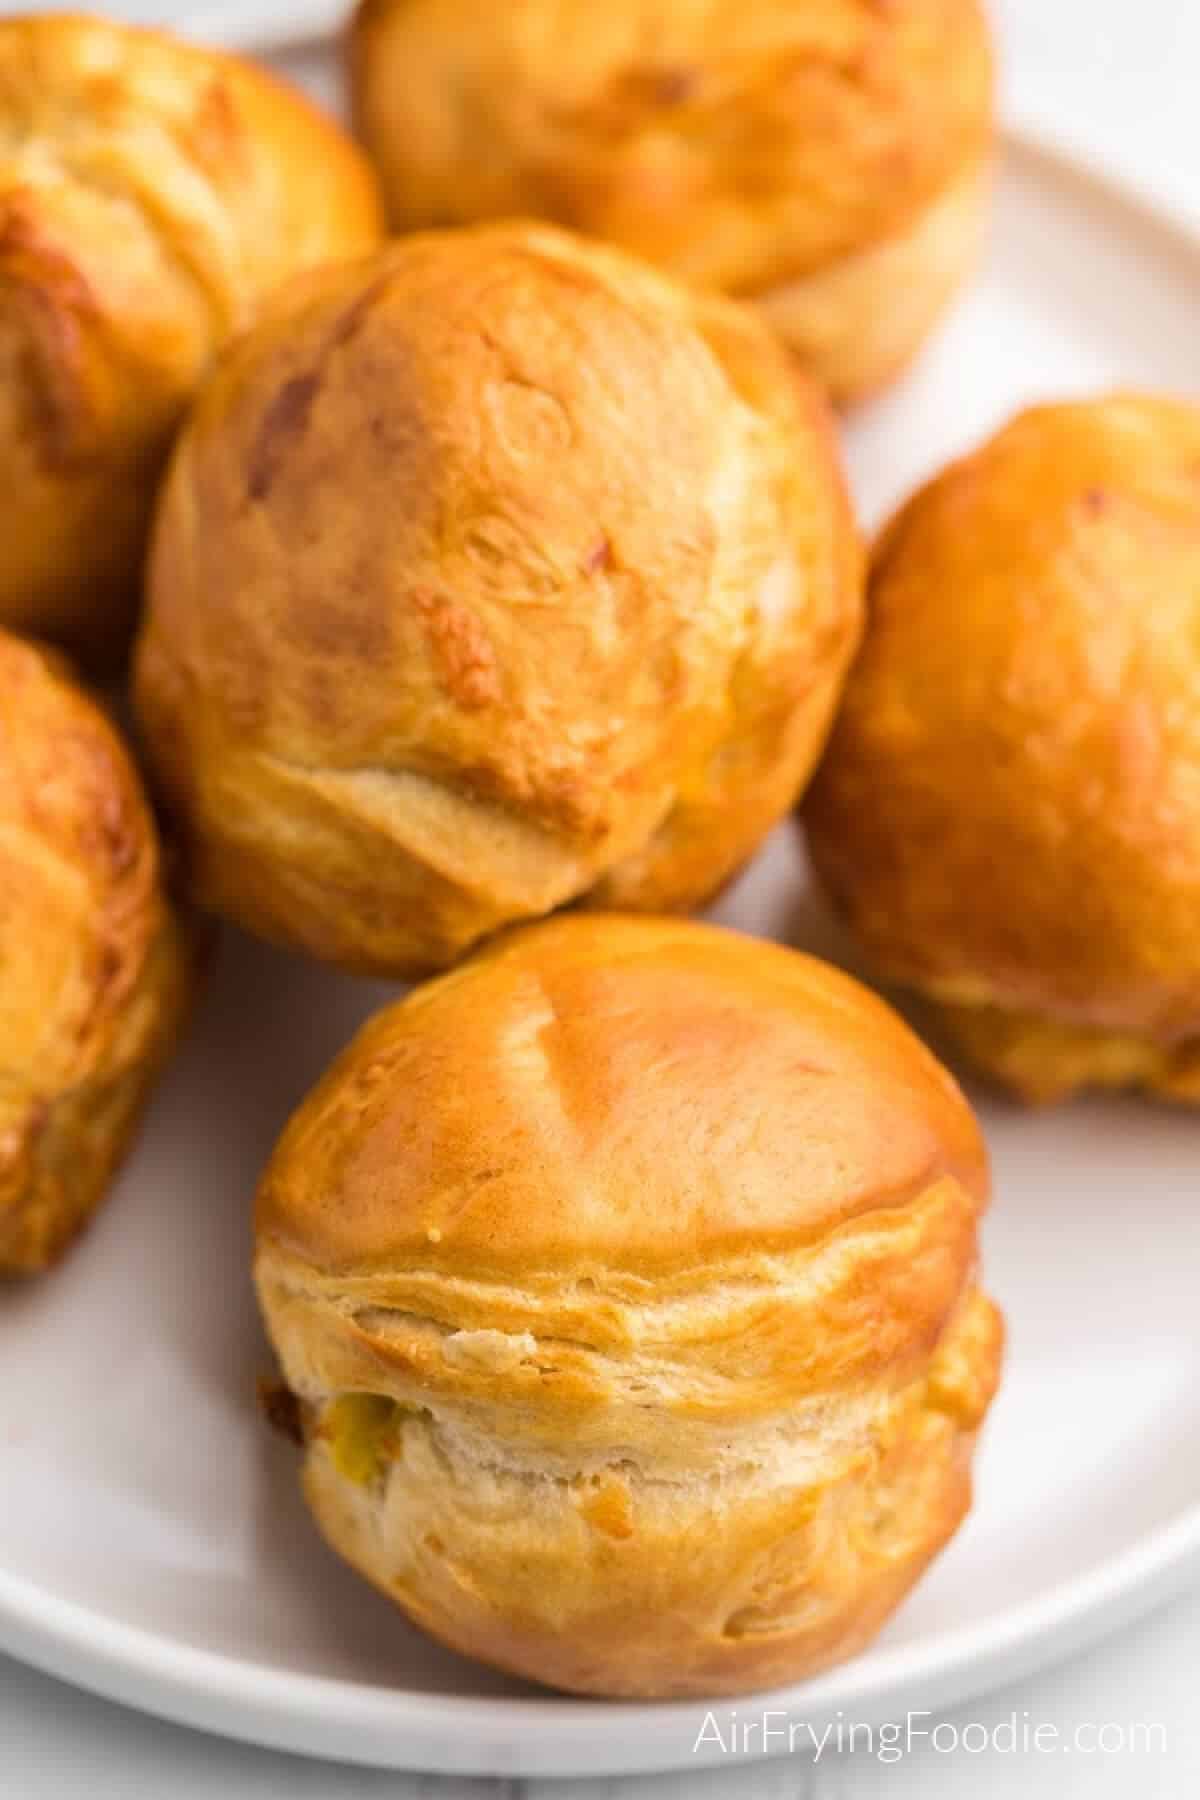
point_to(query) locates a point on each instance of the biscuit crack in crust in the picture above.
(515, 860)
(818, 1499)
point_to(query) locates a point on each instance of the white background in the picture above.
(1120, 79)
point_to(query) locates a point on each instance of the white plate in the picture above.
(154, 1547)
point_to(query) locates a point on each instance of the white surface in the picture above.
(64, 1746)
(127, 1383)
(101, 1751)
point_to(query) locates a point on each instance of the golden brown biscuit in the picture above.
(626, 1279)
(94, 967)
(1009, 811)
(498, 574)
(150, 193)
(824, 158)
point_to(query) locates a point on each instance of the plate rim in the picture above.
(551, 1735)
(284, 1710)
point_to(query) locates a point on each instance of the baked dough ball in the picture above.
(825, 158)
(1009, 813)
(497, 574)
(150, 191)
(94, 968)
(626, 1280)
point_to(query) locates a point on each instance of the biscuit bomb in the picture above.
(150, 193)
(494, 572)
(826, 159)
(1009, 813)
(95, 970)
(626, 1280)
